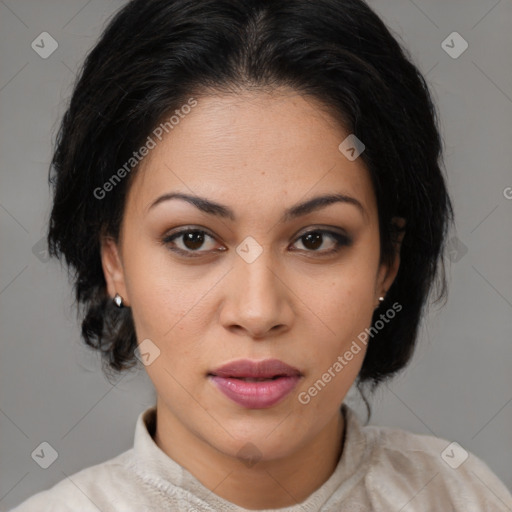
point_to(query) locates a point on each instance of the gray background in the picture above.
(459, 384)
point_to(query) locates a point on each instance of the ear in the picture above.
(388, 272)
(113, 269)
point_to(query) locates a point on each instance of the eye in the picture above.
(187, 242)
(314, 239)
(191, 240)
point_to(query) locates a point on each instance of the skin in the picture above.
(257, 153)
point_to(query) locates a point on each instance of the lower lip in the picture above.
(256, 395)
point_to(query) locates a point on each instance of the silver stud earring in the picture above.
(381, 299)
(118, 300)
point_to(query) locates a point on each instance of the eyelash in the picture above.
(340, 239)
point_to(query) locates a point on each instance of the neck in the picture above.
(265, 484)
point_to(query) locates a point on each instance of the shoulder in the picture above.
(91, 489)
(428, 473)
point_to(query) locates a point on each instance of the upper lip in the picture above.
(266, 368)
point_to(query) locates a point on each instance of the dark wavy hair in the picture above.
(155, 54)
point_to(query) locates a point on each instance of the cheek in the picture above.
(343, 306)
(345, 301)
(170, 307)
(152, 294)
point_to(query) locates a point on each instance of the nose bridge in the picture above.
(256, 277)
(257, 302)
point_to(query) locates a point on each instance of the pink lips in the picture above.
(256, 384)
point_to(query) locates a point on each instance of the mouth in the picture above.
(257, 370)
(255, 384)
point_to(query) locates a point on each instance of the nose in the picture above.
(257, 299)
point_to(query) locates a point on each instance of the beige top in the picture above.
(381, 469)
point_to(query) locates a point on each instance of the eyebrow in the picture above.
(298, 210)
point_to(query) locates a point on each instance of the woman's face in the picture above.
(254, 285)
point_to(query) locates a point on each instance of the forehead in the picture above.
(252, 149)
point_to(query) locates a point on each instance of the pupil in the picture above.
(194, 239)
(315, 238)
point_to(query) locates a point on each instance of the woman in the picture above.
(249, 194)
